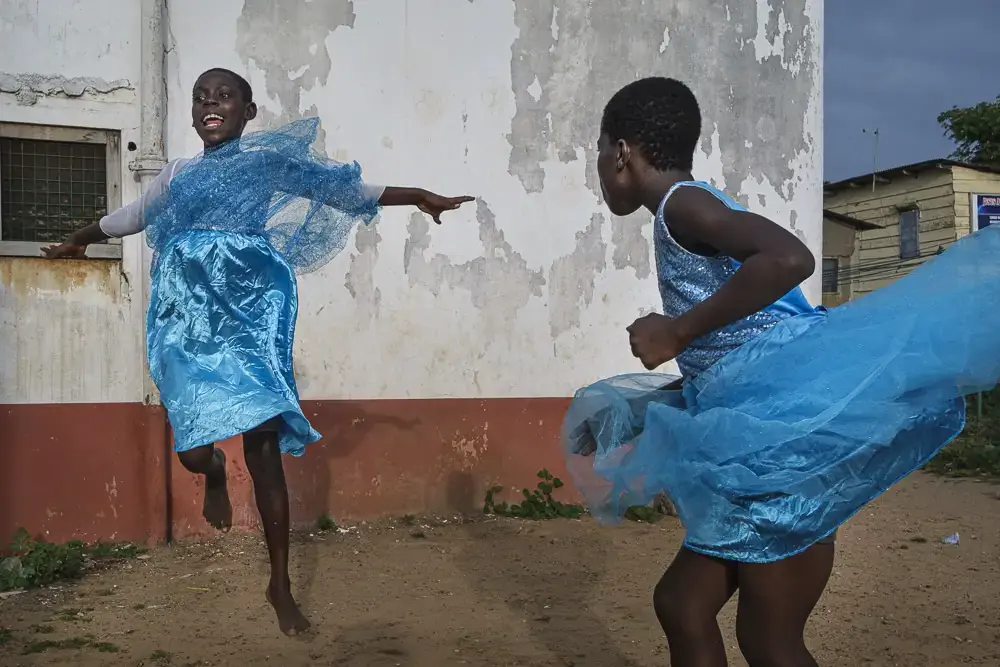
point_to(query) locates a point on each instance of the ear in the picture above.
(250, 113)
(622, 154)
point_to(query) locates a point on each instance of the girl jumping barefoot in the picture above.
(787, 419)
(228, 229)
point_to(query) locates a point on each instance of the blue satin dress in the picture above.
(228, 236)
(791, 420)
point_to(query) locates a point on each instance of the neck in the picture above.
(656, 185)
(221, 144)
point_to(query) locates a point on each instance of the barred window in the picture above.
(909, 234)
(831, 267)
(54, 181)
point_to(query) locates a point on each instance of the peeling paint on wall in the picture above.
(29, 88)
(62, 320)
(360, 278)
(632, 248)
(566, 65)
(287, 40)
(572, 277)
(499, 282)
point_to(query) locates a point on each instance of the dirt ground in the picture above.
(498, 592)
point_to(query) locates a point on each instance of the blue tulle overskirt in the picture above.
(219, 335)
(784, 439)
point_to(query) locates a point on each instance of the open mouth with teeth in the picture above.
(212, 121)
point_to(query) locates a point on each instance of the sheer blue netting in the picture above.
(271, 183)
(784, 439)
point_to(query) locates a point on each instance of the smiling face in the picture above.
(219, 109)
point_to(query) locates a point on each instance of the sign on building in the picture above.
(985, 211)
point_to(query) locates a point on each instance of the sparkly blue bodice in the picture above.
(686, 279)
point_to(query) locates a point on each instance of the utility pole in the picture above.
(875, 135)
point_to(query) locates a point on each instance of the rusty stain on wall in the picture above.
(468, 448)
(29, 278)
(28, 88)
(65, 320)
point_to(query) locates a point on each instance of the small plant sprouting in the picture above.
(326, 523)
(34, 563)
(537, 504)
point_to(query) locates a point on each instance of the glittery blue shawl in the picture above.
(269, 183)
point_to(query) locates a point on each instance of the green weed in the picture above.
(976, 452)
(537, 503)
(33, 563)
(326, 523)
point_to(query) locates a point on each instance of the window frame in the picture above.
(836, 271)
(111, 139)
(901, 213)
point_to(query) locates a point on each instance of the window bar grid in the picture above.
(49, 189)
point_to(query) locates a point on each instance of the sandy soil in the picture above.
(430, 593)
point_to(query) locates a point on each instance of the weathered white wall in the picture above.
(528, 291)
(69, 331)
(525, 293)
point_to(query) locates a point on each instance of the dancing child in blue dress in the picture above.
(786, 419)
(229, 229)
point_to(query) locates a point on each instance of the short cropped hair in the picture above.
(660, 116)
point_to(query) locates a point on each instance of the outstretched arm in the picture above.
(125, 221)
(430, 203)
(76, 245)
(327, 182)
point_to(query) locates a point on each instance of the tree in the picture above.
(975, 131)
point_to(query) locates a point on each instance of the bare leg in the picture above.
(211, 463)
(264, 463)
(687, 600)
(776, 600)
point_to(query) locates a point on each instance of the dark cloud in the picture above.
(895, 65)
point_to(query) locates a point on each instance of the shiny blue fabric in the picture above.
(219, 334)
(686, 279)
(773, 447)
(230, 232)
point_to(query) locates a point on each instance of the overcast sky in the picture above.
(895, 65)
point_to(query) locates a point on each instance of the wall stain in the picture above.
(28, 88)
(360, 278)
(631, 247)
(570, 58)
(572, 277)
(465, 450)
(287, 40)
(25, 277)
(500, 282)
(64, 327)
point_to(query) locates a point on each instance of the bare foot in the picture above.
(290, 619)
(662, 504)
(217, 509)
